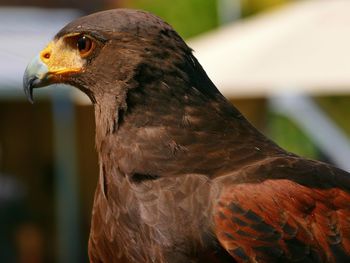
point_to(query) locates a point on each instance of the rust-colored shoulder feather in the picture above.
(282, 215)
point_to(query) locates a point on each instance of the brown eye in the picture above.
(85, 46)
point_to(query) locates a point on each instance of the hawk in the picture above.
(184, 177)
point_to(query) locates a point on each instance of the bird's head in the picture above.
(104, 52)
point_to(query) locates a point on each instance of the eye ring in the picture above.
(85, 46)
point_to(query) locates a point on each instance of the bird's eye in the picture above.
(85, 45)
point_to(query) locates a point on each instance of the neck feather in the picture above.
(173, 121)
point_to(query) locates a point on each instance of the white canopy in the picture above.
(303, 46)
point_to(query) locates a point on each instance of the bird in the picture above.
(183, 176)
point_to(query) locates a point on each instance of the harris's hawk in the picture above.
(183, 175)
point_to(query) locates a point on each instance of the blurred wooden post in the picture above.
(66, 180)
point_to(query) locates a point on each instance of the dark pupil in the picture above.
(81, 43)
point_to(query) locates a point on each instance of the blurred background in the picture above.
(284, 64)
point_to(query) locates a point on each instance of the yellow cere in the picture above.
(61, 57)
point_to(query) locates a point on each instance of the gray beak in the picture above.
(34, 77)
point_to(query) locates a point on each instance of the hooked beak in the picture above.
(35, 76)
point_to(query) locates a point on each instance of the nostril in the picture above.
(46, 55)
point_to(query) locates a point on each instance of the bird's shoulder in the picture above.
(284, 208)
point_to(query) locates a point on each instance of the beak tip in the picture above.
(31, 100)
(28, 85)
(34, 77)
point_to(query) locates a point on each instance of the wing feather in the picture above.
(284, 218)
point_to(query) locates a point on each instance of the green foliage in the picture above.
(250, 7)
(337, 107)
(192, 17)
(188, 17)
(290, 137)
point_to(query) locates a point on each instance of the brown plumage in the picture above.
(183, 176)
